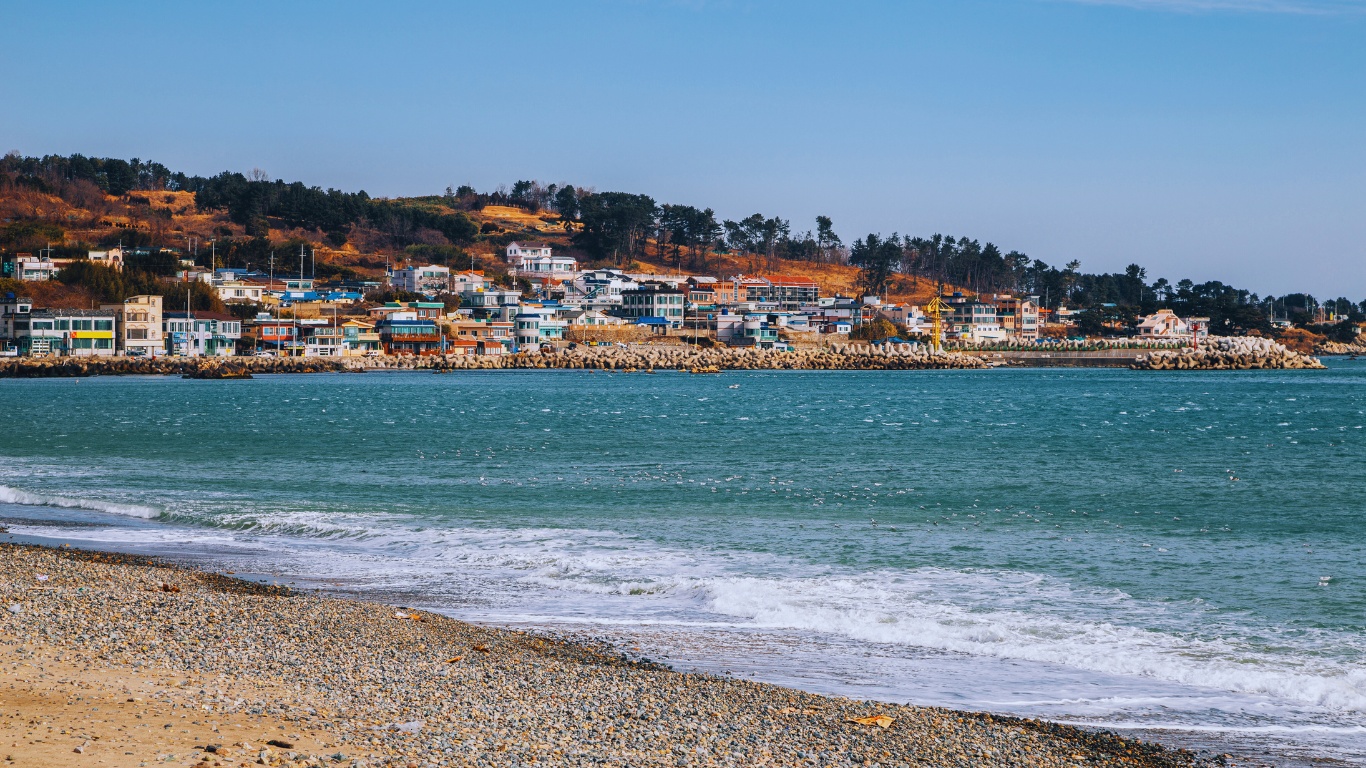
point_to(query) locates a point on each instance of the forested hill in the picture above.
(77, 202)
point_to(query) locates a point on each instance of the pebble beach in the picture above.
(119, 660)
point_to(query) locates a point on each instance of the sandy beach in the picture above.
(116, 660)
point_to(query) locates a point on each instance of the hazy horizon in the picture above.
(1202, 139)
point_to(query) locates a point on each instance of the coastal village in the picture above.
(556, 304)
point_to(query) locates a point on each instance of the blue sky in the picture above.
(1210, 139)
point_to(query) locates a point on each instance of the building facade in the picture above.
(139, 326)
(429, 280)
(69, 333)
(201, 334)
(654, 300)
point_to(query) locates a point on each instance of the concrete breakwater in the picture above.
(1225, 353)
(1339, 348)
(1218, 353)
(848, 357)
(843, 358)
(195, 367)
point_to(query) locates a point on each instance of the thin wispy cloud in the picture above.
(1302, 7)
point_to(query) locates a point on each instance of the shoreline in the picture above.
(345, 677)
(1220, 354)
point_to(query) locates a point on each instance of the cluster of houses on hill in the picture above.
(300, 316)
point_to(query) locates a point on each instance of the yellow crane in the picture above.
(936, 309)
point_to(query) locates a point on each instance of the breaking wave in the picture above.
(9, 495)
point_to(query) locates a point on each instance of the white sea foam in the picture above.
(1009, 615)
(1137, 641)
(9, 495)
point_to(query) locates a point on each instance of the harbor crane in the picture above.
(936, 309)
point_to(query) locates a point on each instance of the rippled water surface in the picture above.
(1103, 546)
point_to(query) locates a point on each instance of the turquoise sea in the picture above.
(1173, 552)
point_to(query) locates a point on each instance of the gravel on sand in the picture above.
(110, 659)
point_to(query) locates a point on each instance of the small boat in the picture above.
(733, 386)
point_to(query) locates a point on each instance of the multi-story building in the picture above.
(32, 268)
(14, 318)
(469, 280)
(403, 333)
(139, 326)
(361, 338)
(518, 251)
(322, 337)
(536, 328)
(702, 294)
(654, 300)
(1018, 316)
(487, 334)
(598, 289)
(428, 280)
(491, 303)
(556, 267)
(239, 291)
(273, 334)
(201, 334)
(69, 332)
(789, 292)
(422, 310)
(973, 319)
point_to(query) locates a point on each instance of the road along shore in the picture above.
(117, 660)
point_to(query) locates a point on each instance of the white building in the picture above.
(518, 251)
(110, 258)
(536, 260)
(469, 280)
(139, 326)
(558, 267)
(598, 289)
(538, 325)
(239, 292)
(429, 279)
(579, 317)
(35, 268)
(206, 334)
(1164, 324)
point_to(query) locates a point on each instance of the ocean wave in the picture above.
(1135, 640)
(1009, 615)
(10, 495)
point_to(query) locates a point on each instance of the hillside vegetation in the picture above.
(71, 204)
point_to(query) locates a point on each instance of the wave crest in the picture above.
(9, 495)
